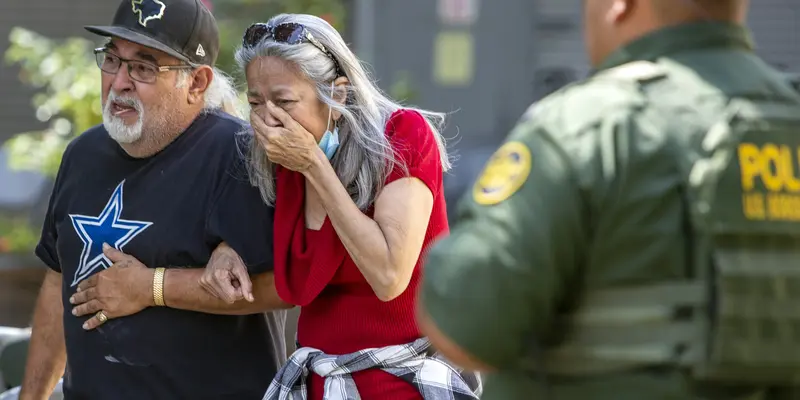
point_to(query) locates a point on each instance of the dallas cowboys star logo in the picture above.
(105, 228)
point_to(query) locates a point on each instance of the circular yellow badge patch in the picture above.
(503, 175)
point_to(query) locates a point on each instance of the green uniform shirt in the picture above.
(586, 194)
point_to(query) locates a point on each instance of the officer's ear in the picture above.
(620, 10)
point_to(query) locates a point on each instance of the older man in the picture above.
(162, 180)
(636, 235)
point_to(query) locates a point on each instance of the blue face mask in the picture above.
(330, 140)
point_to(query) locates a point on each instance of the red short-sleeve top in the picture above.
(340, 313)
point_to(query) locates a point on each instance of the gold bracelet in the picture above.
(158, 287)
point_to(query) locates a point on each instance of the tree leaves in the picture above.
(68, 99)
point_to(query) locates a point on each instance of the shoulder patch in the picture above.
(504, 174)
(640, 71)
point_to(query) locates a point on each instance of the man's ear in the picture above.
(340, 94)
(200, 81)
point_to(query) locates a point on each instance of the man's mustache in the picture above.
(125, 101)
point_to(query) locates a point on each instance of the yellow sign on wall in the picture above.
(453, 58)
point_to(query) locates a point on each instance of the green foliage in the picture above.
(234, 16)
(68, 98)
(402, 89)
(332, 11)
(16, 235)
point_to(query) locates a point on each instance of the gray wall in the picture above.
(523, 49)
(776, 27)
(502, 85)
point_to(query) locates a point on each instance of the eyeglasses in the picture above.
(139, 71)
(289, 33)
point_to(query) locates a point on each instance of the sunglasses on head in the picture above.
(289, 33)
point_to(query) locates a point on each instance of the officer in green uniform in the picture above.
(637, 236)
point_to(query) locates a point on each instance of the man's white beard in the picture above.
(116, 127)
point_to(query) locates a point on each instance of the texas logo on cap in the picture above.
(148, 10)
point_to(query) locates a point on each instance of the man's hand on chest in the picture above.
(124, 289)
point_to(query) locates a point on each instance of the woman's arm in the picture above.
(385, 249)
(182, 291)
(127, 287)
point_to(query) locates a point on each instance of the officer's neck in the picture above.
(650, 24)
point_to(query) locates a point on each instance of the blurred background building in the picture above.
(482, 61)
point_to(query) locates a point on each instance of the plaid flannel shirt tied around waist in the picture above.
(431, 375)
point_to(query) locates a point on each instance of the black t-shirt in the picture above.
(170, 210)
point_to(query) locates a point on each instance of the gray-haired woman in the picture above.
(356, 181)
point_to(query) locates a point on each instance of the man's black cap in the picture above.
(184, 29)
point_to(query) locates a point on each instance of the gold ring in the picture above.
(101, 316)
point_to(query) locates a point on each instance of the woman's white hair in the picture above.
(220, 94)
(365, 156)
